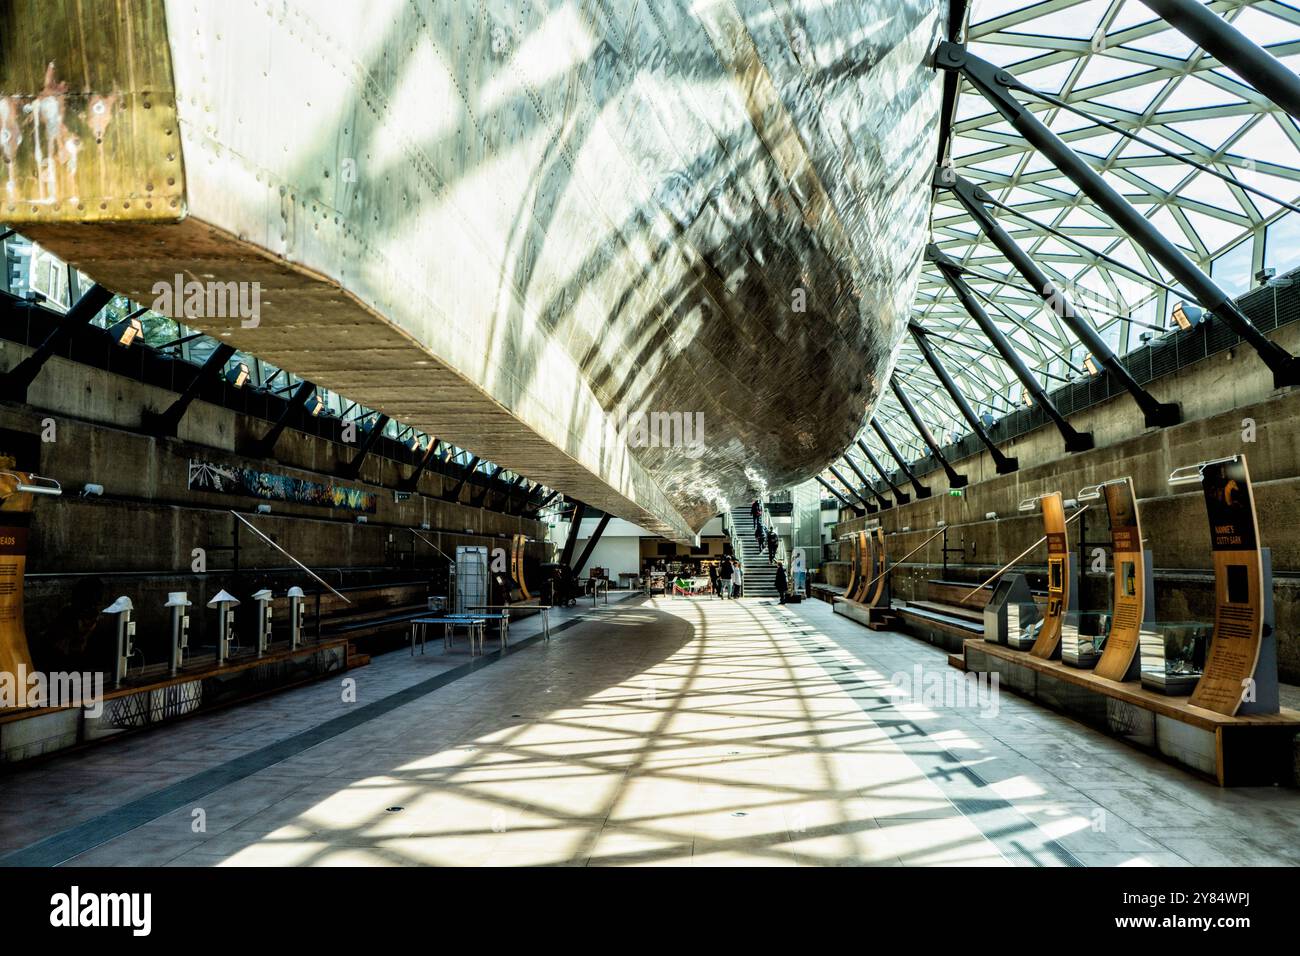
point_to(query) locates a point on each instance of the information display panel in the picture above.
(15, 508)
(864, 566)
(878, 564)
(1128, 605)
(1048, 644)
(518, 543)
(1238, 587)
(851, 542)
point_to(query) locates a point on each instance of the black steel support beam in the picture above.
(164, 424)
(901, 496)
(375, 432)
(1233, 49)
(1002, 463)
(412, 481)
(15, 382)
(922, 491)
(954, 479)
(534, 509)
(952, 274)
(510, 492)
(1155, 414)
(454, 494)
(871, 509)
(885, 503)
(995, 85)
(477, 500)
(575, 522)
(845, 501)
(264, 447)
(591, 544)
(523, 502)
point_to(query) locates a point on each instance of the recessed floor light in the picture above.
(395, 809)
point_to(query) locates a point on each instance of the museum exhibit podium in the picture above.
(1240, 673)
(1011, 612)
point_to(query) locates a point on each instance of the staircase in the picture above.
(760, 577)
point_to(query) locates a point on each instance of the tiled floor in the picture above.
(669, 732)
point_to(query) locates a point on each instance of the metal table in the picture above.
(474, 625)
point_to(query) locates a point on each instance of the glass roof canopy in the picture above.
(1116, 61)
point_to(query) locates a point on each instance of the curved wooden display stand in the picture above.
(16, 507)
(878, 558)
(517, 565)
(853, 563)
(863, 552)
(1048, 643)
(1128, 606)
(1238, 594)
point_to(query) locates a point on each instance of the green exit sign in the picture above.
(955, 492)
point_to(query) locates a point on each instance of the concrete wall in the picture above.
(140, 537)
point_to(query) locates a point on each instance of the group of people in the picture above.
(727, 577)
(766, 537)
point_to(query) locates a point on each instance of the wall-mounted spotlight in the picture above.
(315, 405)
(1187, 315)
(126, 332)
(92, 491)
(238, 375)
(1265, 275)
(361, 519)
(1090, 365)
(990, 516)
(264, 509)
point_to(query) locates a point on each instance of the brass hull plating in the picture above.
(526, 228)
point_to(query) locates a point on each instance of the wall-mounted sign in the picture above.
(249, 482)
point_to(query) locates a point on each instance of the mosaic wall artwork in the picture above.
(237, 480)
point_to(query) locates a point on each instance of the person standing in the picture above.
(772, 542)
(737, 580)
(782, 584)
(725, 573)
(800, 566)
(713, 578)
(760, 536)
(756, 512)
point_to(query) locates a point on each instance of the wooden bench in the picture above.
(950, 614)
(1255, 750)
(826, 592)
(155, 697)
